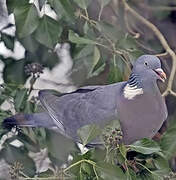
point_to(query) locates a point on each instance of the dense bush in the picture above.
(106, 37)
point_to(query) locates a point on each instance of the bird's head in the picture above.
(149, 66)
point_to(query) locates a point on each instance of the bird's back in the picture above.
(88, 105)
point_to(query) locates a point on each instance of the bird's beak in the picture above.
(161, 74)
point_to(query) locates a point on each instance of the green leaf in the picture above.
(14, 71)
(12, 154)
(8, 40)
(48, 31)
(86, 168)
(29, 43)
(26, 18)
(73, 37)
(145, 146)
(29, 107)
(64, 9)
(96, 58)
(83, 3)
(168, 143)
(20, 97)
(88, 133)
(123, 150)
(59, 146)
(127, 43)
(83, 61)
(115, 74)
(12, 4)
(108, 171)
(110, 31)
(162, 166)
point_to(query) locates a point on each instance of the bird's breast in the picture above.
(141, 117)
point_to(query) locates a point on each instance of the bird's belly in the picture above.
(140, 120)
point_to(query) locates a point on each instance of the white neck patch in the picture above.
(130, 92)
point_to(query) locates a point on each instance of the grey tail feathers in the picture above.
(29, 120)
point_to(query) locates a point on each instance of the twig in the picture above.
(135, 34)
(162, 54)
(162, 8)
(151, 172)
(100, 12)
(79, 162)
(162, 40)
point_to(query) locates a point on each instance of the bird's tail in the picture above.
(29, 120)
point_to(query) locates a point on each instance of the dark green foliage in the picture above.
(99, 45)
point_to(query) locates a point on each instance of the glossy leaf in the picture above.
(30, 43)
(88, 133)
(14, 71)
(162, 165)
(12, 4)
(8, 41)
(83, 61)
(96, 58)
(64, 9)
(108, 171)
(48, 31)
(12, 154)
(59, 146)
(20, 98)
(73, 37)
(109, 31)
(145, 146)
(115, 74)
(27, 19)
(168, 143)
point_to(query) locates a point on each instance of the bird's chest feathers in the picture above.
(130, 92)
(133, 87)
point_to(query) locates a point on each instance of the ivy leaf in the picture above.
(63, 8)
(162, 165)
(29, 43)
(13, 154)
(73, 37)
(9, 75)
(83, 3)
(26, 18)
(20, 98)
(145, 146)
(108, 171)
(168, 143)
(12, 4)
(96, 58)
(8, 41)
(88, 132)
(115, 74)
(109, 30)
(48, 31)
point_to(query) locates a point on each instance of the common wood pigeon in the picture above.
(137, 103)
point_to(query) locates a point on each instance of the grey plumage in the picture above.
(137, 103)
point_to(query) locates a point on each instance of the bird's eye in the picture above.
(146, 63)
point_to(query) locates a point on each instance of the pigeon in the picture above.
(137, 103)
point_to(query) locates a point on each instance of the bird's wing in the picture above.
(85, 106)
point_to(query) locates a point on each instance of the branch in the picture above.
(163, 42)
(162, 54)
(162, 8)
